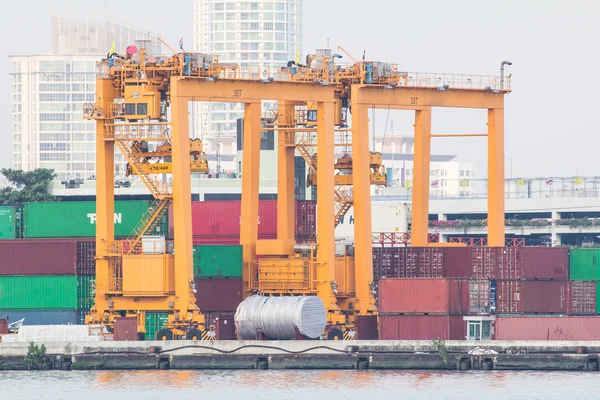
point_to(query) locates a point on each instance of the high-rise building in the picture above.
(259, 35)
(48, 94)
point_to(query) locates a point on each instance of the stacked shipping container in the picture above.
(585, 281)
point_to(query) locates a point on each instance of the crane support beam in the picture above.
(182, 207)
(417, 98)
(496, 177)
(105, 194)
(238, 91)
(285, 176)
(363, 255)
(325, 207)
(250, 187)
(420, 186)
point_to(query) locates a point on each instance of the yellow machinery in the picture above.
(134, 95)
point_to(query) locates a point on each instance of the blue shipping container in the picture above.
(40, 317)
(493, 291)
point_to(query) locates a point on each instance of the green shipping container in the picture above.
(212, 261)
(38, 292)
(78, 219)
(8, 222)
(85, 292)
(584, 264)
(155, 322)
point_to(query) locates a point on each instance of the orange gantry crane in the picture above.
(142, 108)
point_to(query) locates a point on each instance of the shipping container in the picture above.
(222, 218)
(479, 296)
(598, 298)
(423, 262)
(86, 261)
(366, 327)
(78, 219)
(583, 298)
(41, 317)
(155, 321)
(483, 262)
(81, 314)
(509, 297)
(38, 292)
(422, 327)
(8, 222)
(457, 262)
(306, 220)
(125, 328)
(543, 297)
(38, 257)
(584, 264)
(547, 328)
(424, 295)
(509, 264)
(224, 325)
(3, 326)
(546, 297)
(545, 262)
(86, 287)
(218, 295)
(212, 261)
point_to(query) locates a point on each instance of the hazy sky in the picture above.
(551, 116)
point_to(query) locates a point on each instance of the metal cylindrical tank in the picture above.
(278, 317)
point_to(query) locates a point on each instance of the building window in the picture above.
(431, 173)
(142, 108)
(268, 26)
(462, 172)
(280, 26)
(129, 109)
(468, 173)
(219, 6)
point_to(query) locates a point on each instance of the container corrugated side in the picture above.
(78, 218)
(547, 328)
(85, 292)
(413, 296)
(583, 297)
(218, 295)
(38, 292)
(598, 298)
(154, 322)
(212, 261)
(422, 327)
(7, 222)
(306, 220)
(366, 327)
(224, 325)
(546, 297)
(483, 261)
(38, 257)
(41, 317)
(125, 329)
(545, 262)
(222, 218)
(584, 264)
(457, 262)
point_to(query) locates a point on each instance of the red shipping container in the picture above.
(424, 262)
(432, 296)
(388, 262)
(509, 297)
(508, 262)
(545, 263)
(422, 327)
(126, 328)
(483, 262)
(3, 326)
(306, 220)
(377, 255)
(224, 325)
(218, 295)
(222, 218)
(546, 297)
(583, 297)
(547, 328)
(38, 257)
(457, 262)
(366, 327)
(225, 240)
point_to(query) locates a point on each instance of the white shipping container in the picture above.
(153, 244)
(386, 216)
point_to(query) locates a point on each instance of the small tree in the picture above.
(29, 187)
(36, 356)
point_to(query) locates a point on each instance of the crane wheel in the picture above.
(335, 334)
(164, 334)
(194, 334)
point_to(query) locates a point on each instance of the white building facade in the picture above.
(48, 95)
(259, 35)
